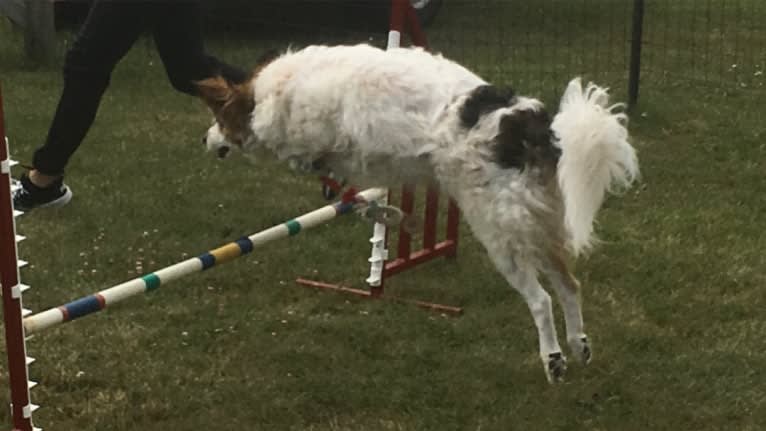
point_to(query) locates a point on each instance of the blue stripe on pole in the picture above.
(343, 207)
(208, 260)
(245, 244)
(82, 307)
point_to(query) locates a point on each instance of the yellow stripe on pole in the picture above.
(226, 253)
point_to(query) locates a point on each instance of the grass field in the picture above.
(673, 298)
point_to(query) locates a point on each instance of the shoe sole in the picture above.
(59, 202)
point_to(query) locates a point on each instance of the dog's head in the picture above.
(232, 105)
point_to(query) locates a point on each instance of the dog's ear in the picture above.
(240, 103)
(226, 99)
(216, 92)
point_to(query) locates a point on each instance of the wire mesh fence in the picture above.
(538, 46)
(717, 42)
(533, 46)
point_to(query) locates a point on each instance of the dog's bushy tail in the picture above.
(596, 157)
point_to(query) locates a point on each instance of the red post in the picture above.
(453, 222)
(413, 26)
(432, 213)
(407, 205)
(398, 19)
(12, 310)
(403, 20)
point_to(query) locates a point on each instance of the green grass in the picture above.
(673, 297)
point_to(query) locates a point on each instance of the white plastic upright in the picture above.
(379, 253)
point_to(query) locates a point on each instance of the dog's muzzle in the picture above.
(214, 141)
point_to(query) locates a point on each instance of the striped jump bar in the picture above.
(147, 283)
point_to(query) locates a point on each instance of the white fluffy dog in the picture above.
(529, 187)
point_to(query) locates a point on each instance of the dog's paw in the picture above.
(581, 349)
(332, 186)
(555, 367)
(328, 193)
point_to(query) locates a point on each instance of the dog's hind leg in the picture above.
(568, 291)
(524, 280)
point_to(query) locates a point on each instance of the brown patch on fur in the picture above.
(525, 139)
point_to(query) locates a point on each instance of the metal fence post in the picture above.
(635, 52)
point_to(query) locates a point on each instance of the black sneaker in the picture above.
(27, 196)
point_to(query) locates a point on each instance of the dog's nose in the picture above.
(222, 152)
(204, 139)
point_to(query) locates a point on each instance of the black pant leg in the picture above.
(178, 36)
(111, 28)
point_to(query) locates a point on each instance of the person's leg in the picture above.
(107, 34)
(178, 35)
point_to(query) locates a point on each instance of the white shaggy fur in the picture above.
(364, 110)
(596, 155)
(382, 118)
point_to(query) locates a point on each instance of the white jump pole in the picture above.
(99, 301)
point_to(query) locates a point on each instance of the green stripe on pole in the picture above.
(152, 281)
(293, 227)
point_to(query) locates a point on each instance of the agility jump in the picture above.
(19, 328)
(147, 283)
(21, 323)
